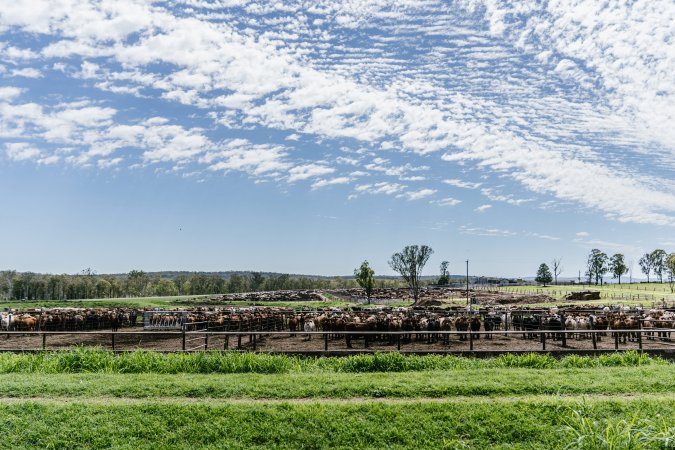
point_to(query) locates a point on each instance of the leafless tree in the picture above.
(557, 269)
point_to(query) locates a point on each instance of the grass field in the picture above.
(180, 302)
(631, 294)
(134, 302)
(530, 402)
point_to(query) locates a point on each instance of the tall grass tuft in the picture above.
(583, 432)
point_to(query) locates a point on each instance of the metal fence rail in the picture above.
(635, 338)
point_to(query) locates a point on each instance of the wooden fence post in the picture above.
(543, 339)
(470, 338)
(183, 339)
(325, 342)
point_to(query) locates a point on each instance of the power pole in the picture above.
(467, 284)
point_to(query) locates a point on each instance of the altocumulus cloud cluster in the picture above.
(569, 102)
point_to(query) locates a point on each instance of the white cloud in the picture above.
(462, 184)
(552, 124)
(27, 72)
(482, 208)
(330, 182)
(510, 199)
(380, 188)
(306, 171)
(448, 201)
(21, 151)
(256, 160)
(108, 163)
(547, 237)
(478, 231)
(417, 195)
(9, 93)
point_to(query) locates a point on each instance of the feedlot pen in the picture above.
(335, 343)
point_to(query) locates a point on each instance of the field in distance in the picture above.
(648, 295)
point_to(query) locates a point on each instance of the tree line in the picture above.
(137, 283)
(599, 264)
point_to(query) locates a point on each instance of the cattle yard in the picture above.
(331, 371)
(334, 331)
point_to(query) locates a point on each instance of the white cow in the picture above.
(6, 320)
(310, 327)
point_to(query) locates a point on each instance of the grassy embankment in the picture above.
(85, 398)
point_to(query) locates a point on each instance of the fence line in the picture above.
(543, 336)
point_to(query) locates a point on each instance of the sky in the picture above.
(307, 136)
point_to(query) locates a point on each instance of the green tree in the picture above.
(235, 283)
(103, 288)
(136, 282)
(257, 281)
(670, 270)
(543, 274)
(444, 279)
(597, 265)
(646, 264)
(658, 258)
(409, 264)
(617, 266)
(365, 277)
(166, 288)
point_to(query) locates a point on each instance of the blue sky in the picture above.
(304, 137)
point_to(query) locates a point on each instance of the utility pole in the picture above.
(467, 284)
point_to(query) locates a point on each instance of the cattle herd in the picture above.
(369, 325)
(69, 319)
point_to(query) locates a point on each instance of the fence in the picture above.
(331, 342)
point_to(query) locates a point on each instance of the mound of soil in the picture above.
(275, 296)
(583, 295)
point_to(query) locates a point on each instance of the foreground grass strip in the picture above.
(93, 360)
(534, 424)
(438, 384)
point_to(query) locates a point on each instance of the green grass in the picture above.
(630, 294)
(462, 423)
(95, 360)
(134, 302)
(93, 399)
(426, 384)
(583, 431)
